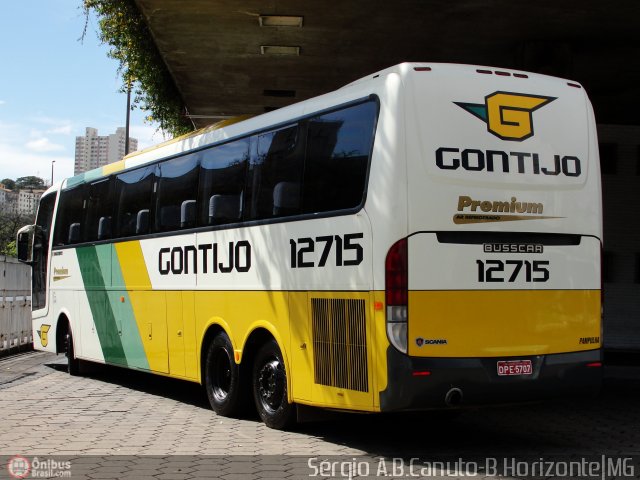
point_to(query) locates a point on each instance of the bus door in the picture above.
(40, 265)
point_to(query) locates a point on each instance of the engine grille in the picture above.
(340, 343)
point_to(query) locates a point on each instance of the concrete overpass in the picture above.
(227, 57)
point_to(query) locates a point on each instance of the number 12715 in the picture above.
(511, 270)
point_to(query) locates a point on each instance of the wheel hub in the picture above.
(270, 383)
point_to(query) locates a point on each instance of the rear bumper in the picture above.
(557, 375)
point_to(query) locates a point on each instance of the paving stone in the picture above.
(109, 414)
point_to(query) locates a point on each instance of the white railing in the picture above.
(15, 306)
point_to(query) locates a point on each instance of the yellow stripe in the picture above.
(132, 264)
(113, 167)
(201, 131)
(474, 323)
(335, 330)
(148, 307)
(503, 323)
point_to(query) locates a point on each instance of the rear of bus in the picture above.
(494, 294)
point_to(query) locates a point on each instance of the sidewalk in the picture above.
(114, 423)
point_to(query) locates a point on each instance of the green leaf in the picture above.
(141, 66)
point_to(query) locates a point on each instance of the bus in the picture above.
(427, 237)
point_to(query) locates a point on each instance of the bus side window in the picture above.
(286, 199)
(188, 214)
(338, 150)
(70, 217)
(224, 209)
(126, 224)
(99, 210)
(277, 158)
(74, 233)
(142, 222)
(223, 171)
(177, 182)
(104, 228)
(133, 193)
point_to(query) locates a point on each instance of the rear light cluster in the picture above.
(397, 294)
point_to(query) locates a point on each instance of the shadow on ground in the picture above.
(181, 391)
(606, 424)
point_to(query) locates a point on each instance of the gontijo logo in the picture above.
(508, 115)
(43, 333)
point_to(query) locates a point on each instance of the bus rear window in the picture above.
(338, 149)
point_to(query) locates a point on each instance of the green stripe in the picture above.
(85, 177)
(101, 305)
(93, 174)
(131, 341)
(476, 109)
(73, 181)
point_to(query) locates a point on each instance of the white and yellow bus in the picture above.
(426, 237)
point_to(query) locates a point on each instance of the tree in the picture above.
(29, 182)
(9, 226)
(125, 30)
(8, 183)
(10, 250)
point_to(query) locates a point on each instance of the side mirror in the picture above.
(25, 243)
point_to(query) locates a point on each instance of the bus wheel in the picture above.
(73, 364)
(270, 388)
(222, 378)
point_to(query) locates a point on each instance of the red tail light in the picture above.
(397, 274)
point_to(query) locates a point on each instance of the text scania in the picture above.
(205, 258)
(517, 162)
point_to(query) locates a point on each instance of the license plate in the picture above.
(514, 367)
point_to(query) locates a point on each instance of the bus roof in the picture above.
(123, 164)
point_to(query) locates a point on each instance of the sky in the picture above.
(53, 86)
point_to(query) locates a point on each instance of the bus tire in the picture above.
(73, 364)
(222, 377)
(270, 388)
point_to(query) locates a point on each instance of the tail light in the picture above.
(397, 294)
